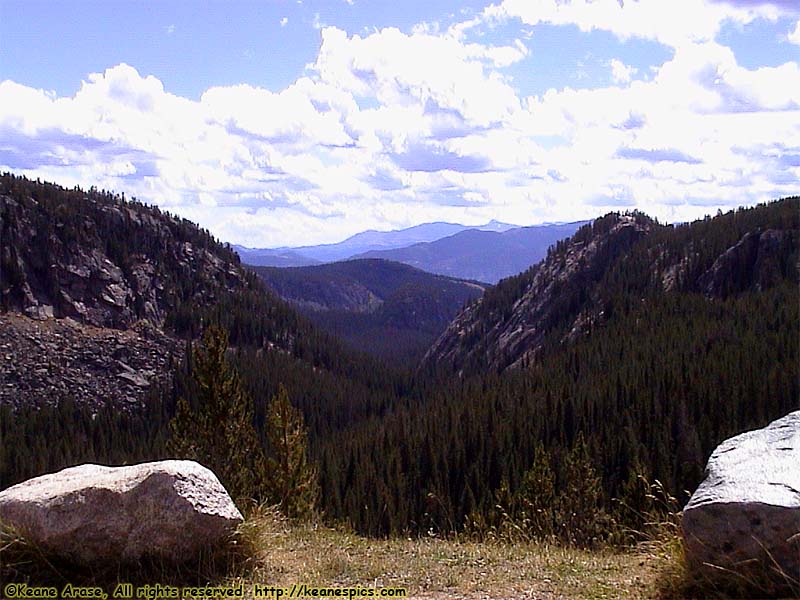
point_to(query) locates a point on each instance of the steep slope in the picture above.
(481, 255)
(649, 343)
(386, 308)
(611, 263)
(114, 285)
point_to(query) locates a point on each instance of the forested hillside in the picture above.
(632, 349)
(609, 265)
(135, 279)
(388, 309)
(110, 262)
(655, 346)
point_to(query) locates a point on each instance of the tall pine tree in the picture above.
(293, 481)
(218, 430)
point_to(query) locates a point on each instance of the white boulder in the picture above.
(173, 510)
(745, 516)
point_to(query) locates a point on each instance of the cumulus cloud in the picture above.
(672, 23)
(403, 70)
(620, 72)
(391, 128)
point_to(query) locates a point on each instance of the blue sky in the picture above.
(285, 122)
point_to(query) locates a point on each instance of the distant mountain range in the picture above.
(486, 253)
(481, 255)
(389, 309)
(366, 241)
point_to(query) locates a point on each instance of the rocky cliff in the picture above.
(101, 260)
(606, 266)
(95, 292)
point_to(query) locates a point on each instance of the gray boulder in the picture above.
(174, 510)
(745, 516)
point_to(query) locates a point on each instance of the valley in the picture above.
(566, 387)
(496, 299)
(388, 309)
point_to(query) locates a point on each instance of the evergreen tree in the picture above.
(536, 497)
(580, 516)
(292, 479)
(218, 431)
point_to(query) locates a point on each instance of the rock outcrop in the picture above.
(755, 262)
(557, 291)
(45, 361)
(745, 516)
(174, 510)
(104, 262)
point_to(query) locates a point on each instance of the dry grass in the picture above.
(435, 568)
(268, 549)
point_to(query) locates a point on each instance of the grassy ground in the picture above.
(273, 552)
(436, 568)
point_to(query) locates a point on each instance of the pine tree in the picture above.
(293, 482)
(218, 432)
(536, 497)
(579, 512)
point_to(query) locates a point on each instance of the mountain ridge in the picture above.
(481, 255)
(572, 290)
(365, 241)
(390, 309)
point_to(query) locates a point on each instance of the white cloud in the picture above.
(672, 23)
(391, 129)
(794, 36)
(284, 21)
(170, 29)
(620, 72)
(420, 70)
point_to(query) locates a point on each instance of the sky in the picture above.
(294, 122)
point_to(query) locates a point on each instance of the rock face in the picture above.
(753, 263)
(172, 510)
(745, 516)
(102, 261)
(560, 288)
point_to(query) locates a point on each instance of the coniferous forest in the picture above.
(559, 442)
